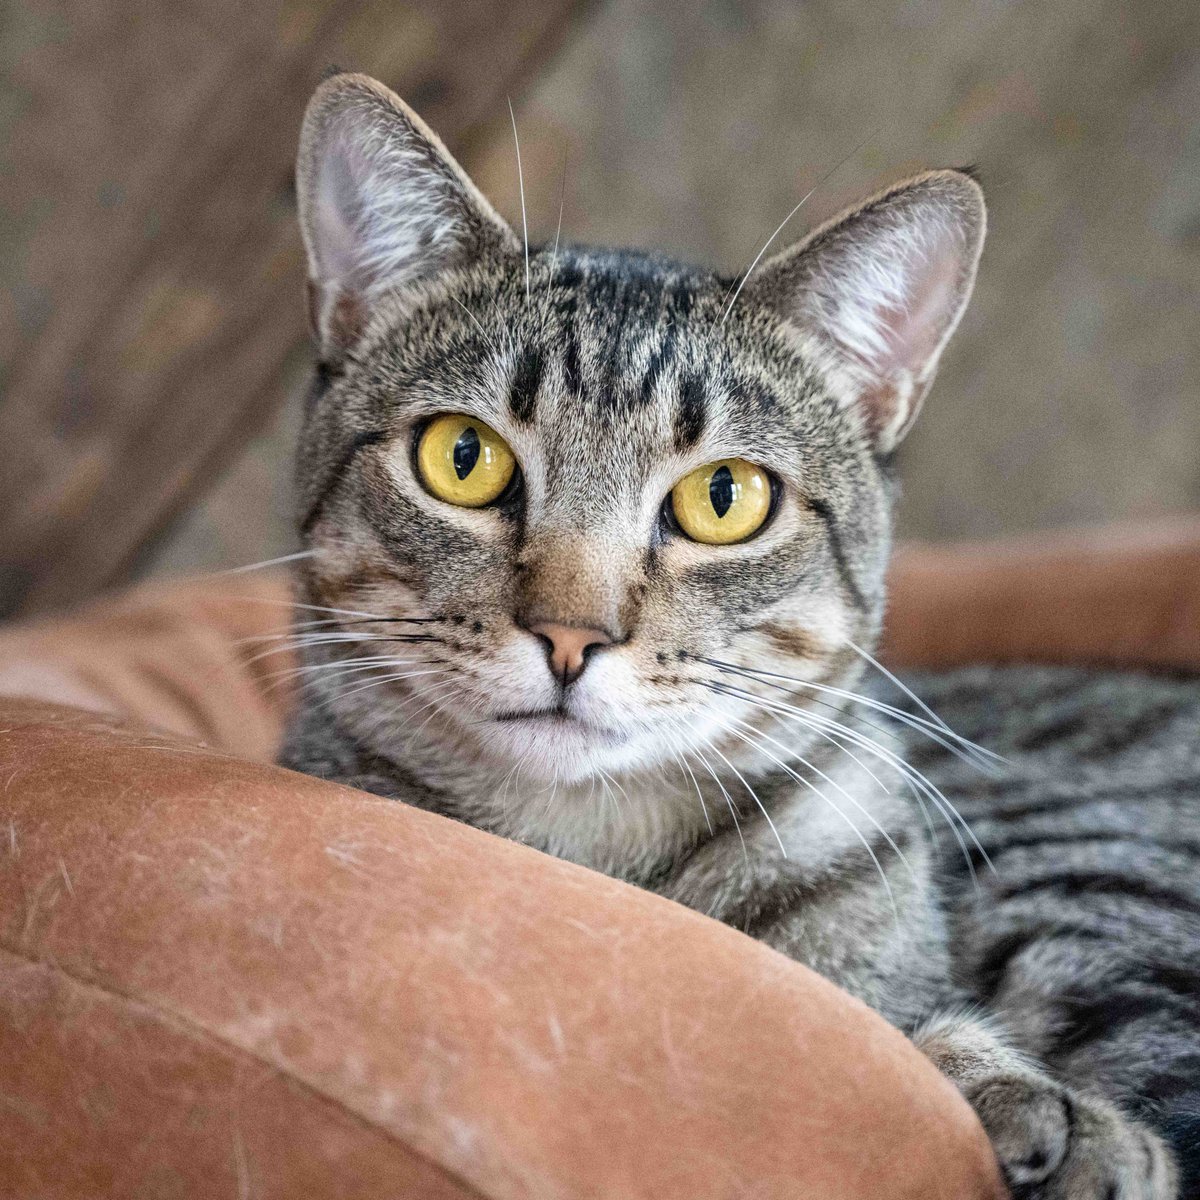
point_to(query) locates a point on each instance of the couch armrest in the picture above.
(1111, 595)
(222, 978)
(207, 658)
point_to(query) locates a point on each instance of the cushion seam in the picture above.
(186, 1024)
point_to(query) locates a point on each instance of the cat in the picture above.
(597, 545)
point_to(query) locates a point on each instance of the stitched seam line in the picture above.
(184, 1024)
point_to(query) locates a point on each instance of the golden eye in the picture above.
(723, 502)
(463, 461)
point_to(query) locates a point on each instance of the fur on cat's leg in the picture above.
(1052, 1141)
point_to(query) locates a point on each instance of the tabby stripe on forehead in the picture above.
(682, 298)
(619, 304)
(527, 380)
(692, 413)
(659, 360)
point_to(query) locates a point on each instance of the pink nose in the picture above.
(567, 647)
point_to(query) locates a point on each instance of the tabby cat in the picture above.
(596, 558)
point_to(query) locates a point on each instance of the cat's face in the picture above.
(584, 488)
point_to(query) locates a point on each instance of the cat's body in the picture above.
(1085, 938)
(597, 542)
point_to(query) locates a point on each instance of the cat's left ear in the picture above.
(883, 287)
(382, 205)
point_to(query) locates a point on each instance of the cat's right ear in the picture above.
(882, 287)
(382, 206)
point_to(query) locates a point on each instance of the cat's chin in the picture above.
(554, 745)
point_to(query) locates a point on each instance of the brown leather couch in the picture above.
(219, 978)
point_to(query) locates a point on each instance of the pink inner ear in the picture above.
(883, 288)
(911, 331)
(343, 174)
(901, 329)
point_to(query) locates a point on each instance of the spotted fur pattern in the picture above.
(717, 748)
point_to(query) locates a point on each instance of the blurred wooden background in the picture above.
(151, 311)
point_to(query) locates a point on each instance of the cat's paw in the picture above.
(1055, 1144)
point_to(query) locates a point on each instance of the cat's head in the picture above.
(578, 480)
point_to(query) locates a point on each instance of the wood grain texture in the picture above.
(151, 274)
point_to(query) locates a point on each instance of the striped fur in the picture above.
(1086, 939)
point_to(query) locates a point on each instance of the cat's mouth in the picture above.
(538, 714)
(558, 717)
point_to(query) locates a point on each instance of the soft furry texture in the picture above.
(715, 747)
(1085, 938)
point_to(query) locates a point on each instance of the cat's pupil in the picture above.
(466, 452)
(720, 490)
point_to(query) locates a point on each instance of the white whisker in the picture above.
(921, 703)
(803, 201)
(680, 756)
(609, 795)
(961, 747)
(324, 639)
(912, 777)
(617, 784)
(553, 792)
(521, 184)
(269, 562)
(349, 666)
(506, 783)
(883, 879)
(753, 794)
(387, 679)
(435, 705)
(817, 771)
(728, 799)
(341, 612)
(478, 325)
(562, 196)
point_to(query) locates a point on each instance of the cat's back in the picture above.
(1086, 925)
